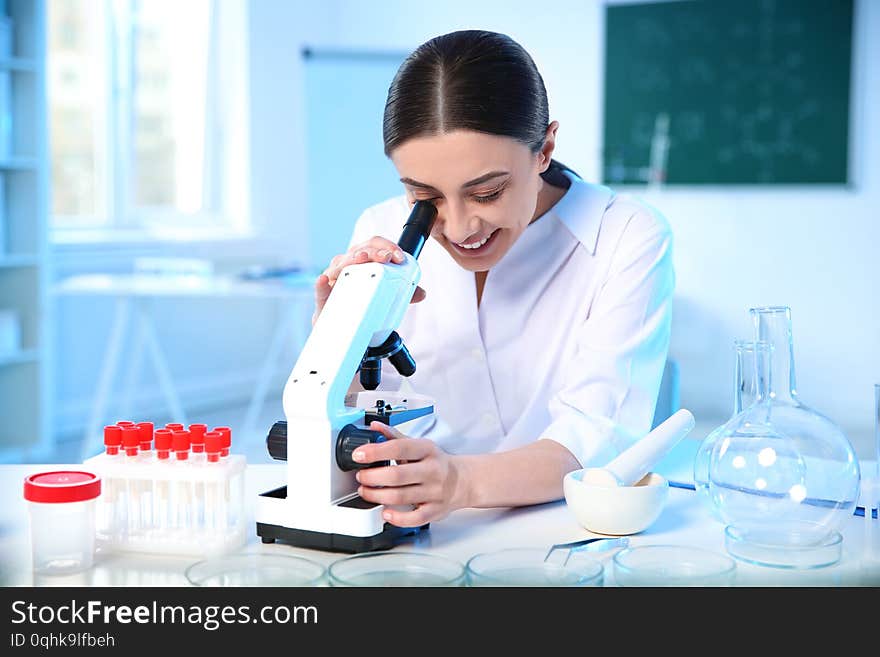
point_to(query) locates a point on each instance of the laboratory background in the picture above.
(174, 175)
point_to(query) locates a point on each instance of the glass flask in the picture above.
(783, 478)
(745, 393)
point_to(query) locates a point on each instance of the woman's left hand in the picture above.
(425, 476)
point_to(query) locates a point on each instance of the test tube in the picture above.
(226, 432)
(110, 512)
(875, 502)
(225, 446)
(112, 440)
(877, 435)
(215, 514)
(870, 488)
(162, 500)
(145, 444)
(197, 441)
(130, 440)
(197, 456)
(147, 485)
(182, 499)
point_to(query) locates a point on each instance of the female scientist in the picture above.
(543, 326)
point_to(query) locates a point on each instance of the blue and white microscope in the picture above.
(319, 507)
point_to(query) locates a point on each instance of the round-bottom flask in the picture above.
(782, 477)
(745, 392)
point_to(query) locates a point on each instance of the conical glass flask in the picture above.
(745, 393)
(783, 477)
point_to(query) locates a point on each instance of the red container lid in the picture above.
(163, 439)
(198, 430)
(213, 442)
(180, 440)
(174, 426)
(146, 439)
(226, 432)
(62, 486)
(124, 423)
(131, 437)
(113, 435)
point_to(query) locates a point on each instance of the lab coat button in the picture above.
(477, 353)
(487, 418)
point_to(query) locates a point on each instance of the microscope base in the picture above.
(335, 542)
(269, 529)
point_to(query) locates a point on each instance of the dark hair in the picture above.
(470, 80)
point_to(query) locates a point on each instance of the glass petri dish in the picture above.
(672, 565)
(791, 554)
(527, 567)
(416, 569)
(256, 570)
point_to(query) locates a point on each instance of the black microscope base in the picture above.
(384, 540)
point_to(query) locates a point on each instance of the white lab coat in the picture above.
(570, 338)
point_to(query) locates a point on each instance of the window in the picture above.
(146, 105)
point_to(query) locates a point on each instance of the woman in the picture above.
(543, 325)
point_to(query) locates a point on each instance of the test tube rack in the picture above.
(169, 501)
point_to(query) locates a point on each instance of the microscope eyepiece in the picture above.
(417, 228)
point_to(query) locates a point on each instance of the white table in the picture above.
(460, 536)
(134, 294)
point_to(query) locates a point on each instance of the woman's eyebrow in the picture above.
(470, 183)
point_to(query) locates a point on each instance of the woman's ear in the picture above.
(546, 152)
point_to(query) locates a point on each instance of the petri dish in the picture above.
(417, 569)
(791, 555)
(527, 567)
(256, 570)
(672, 565)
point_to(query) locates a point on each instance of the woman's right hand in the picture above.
(376, 249)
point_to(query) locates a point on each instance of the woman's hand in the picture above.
(376, 249)
(425, 476)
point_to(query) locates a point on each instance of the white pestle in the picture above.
(628, 467)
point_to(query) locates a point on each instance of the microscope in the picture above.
(319, 507)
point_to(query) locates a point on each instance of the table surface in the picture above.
(461, 535)
(151, 285)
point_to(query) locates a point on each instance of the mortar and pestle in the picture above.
(625, 497)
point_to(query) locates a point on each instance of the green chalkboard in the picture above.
(727, 92)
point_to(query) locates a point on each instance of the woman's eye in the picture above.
(487, 198)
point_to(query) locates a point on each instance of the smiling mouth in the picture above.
(476, 247)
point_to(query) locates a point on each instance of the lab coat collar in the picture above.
(581, 210)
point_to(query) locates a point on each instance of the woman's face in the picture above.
(485, 188)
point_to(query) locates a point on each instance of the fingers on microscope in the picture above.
(422, 514)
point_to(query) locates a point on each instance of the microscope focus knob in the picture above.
(276, 441)
(349, 439)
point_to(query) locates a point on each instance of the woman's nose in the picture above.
(456, 224)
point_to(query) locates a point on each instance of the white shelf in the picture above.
(25, 394)
(19, 357)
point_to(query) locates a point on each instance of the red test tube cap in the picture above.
(163, 442)
(174, 426)
(124, 423)
(213, 445)
(180, 443)
(146, 440)
(112, 438)
(131, 437)
(226, 432)
(197, 437)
